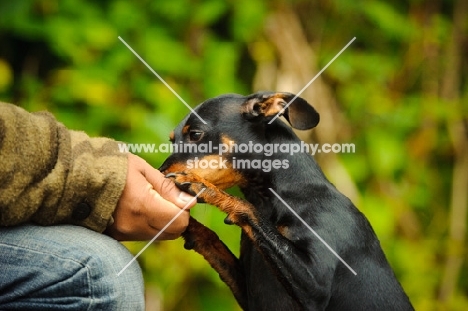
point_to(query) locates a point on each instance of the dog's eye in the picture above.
(195, 135)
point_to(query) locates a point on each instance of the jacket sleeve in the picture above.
(52, 175)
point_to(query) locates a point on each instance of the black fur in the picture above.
(282, 265)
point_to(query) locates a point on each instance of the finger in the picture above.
(151, 225)
(162, 214)
(167, 189)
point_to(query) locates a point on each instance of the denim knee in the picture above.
(66, 268)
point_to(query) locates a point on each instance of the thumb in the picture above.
(166, 188)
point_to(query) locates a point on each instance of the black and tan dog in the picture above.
(282, 265)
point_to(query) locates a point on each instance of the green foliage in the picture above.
(65, 56)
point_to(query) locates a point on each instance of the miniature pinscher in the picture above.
(282, 264)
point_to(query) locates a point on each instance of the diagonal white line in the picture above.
(160, 232)
(313, 79)
(161, 79)
(313, 231)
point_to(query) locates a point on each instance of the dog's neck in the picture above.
(257, 182)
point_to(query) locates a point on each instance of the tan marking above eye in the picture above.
(185, 129)
(172, 136)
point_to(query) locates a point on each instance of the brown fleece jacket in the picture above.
(52, 175)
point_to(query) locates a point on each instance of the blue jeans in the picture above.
(66, 268)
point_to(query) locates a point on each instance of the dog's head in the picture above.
(227, 128)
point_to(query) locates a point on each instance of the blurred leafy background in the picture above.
(399, 93)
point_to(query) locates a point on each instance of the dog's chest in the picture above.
(264, 291)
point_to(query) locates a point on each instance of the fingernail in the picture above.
(184, 196)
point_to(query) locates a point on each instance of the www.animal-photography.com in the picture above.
(233, 155)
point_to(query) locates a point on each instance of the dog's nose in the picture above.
(164, 167)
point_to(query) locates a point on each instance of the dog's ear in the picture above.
(266, 105)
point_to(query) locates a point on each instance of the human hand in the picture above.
(148, 203)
